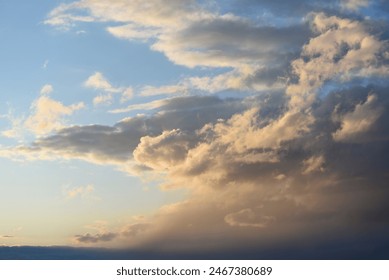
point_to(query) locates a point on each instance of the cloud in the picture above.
(46, 89)
(232, 166)
(247, 218)
(294, 9)
(161, 13)
(127, 94)
(97, 81)
(136, 229)
(246, 138)
(17, 129)
(81, 191)
(301, 164)
(163, 151)
(102, 99)
(227, 41)
(354, 4)
(245, 79)
(186, 31)
(114, 144)
(314, 163)
(143, 106)
(359, 121)
(132, 31)
(170, 89)
(343, 50)
(191, 34)
(99, 237)
(59, 17)
(47, 115)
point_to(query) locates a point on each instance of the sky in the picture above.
(195, 126)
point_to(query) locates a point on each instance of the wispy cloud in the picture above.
(142, 106)
(98, 82)
(84, 192)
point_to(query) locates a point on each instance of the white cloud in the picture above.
(98, 81)
(60, 18)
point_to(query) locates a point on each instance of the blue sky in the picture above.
(192, 125)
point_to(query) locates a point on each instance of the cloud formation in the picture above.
(114, 144)
(190, 34)
(301, 163)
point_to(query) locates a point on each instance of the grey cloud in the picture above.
(224, 41)
(100, 237)
(191, 33)
(115, 144)
(269, 75)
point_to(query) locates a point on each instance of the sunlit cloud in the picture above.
(98, 82)
(46, 115)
